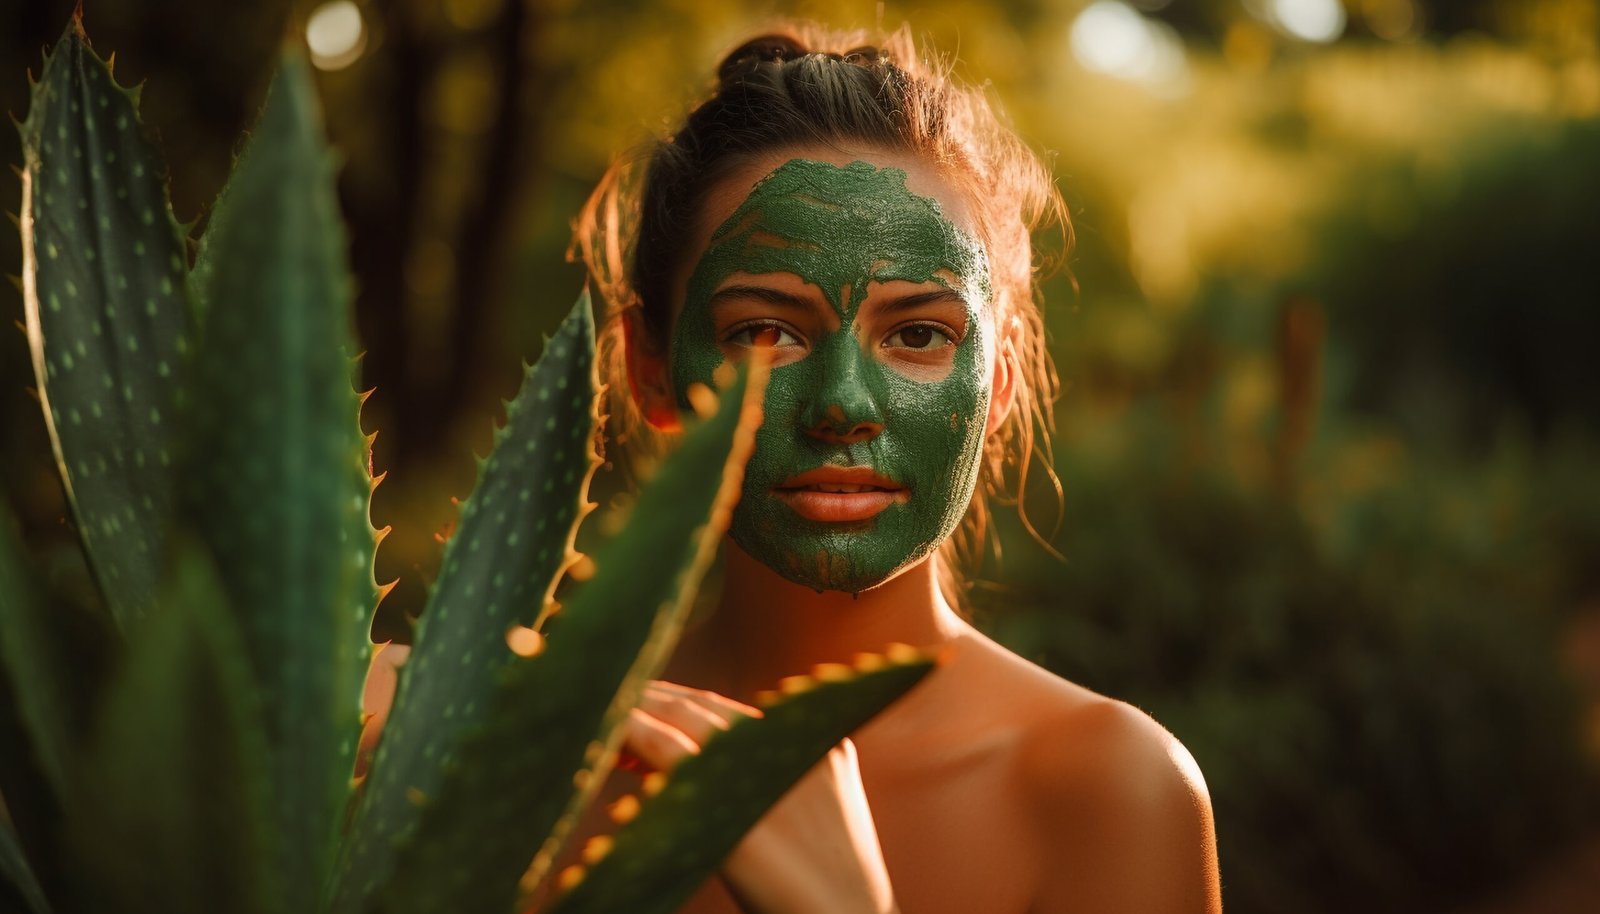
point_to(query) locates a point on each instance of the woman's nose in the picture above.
(843, 409)
(837, 427)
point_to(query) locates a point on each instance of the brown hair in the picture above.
(808, 86)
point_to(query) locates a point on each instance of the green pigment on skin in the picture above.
(841, 228)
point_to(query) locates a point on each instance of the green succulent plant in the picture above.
(191, 747)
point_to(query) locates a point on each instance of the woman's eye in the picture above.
(920, 337)
(765, 335)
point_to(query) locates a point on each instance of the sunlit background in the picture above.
(1331, 420)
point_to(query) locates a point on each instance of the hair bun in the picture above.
(746, 57)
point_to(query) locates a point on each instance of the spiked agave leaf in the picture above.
(710, 800)
(107, 317)
(170, 811)
(513, 540)
(550, 736)
(275, 476)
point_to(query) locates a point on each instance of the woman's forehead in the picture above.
(922, 179)
(841, 227)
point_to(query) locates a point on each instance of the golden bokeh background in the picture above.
(1331, 419)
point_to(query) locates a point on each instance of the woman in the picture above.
(868, 220)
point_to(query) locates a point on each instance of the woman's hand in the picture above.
(815, 850)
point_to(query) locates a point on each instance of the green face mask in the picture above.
(840, 229)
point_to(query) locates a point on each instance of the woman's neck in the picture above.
(767, 627)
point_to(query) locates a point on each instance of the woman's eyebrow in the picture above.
(761, 293)
(901, 302)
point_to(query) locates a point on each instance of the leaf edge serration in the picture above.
(425, 729)
(525, 792)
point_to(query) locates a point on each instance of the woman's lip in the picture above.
(834, 507)
(841, 476)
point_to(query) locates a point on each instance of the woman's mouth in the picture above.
(840, 494)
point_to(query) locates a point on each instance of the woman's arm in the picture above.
(1124, 817)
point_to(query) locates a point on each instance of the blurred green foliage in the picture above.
(1329, 424)
(1373, 697)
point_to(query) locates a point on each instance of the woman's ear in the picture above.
(648, 379)
(1003, 393)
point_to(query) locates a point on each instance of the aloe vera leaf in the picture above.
(681, 835)
(171, 811)
(36, 662)
(19, 889)
(275, 465)
(512, 541)
(107, 317)
(551, 733)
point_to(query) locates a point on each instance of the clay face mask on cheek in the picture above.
(841, 229)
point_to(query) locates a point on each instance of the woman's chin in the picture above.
(841, 564)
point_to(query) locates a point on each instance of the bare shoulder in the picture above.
(1121, 808)
(1107, 756)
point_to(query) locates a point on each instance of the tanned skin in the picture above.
(993, 787)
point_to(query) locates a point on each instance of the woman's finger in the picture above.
(658, 743)
(698, 721)
(716, 700)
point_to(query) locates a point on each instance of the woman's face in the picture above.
(863, 275)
